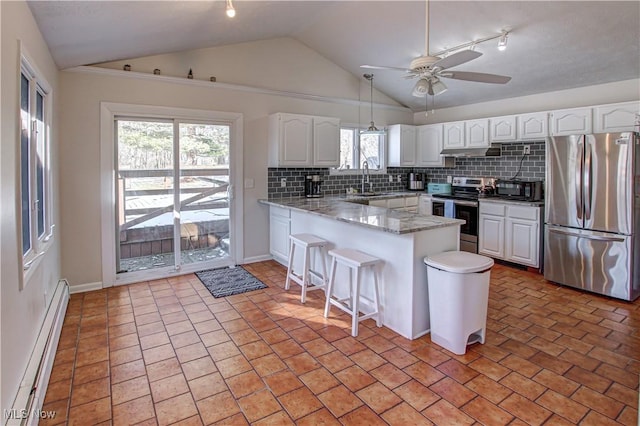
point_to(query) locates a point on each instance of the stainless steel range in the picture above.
(462, 203)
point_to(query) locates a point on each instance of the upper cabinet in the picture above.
(416, 146)
(466, 134)
(533, 126)
(453, 134)
(476, 133)
(429, 146)
(616, 117)
(303, 141)
(326, 141)
(503, 129)
(402, 145)
(573, 121)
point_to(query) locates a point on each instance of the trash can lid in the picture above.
(459, 262)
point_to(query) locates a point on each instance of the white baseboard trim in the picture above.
(27, 406)
(254, 259)
(81, 288)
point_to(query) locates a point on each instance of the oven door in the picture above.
(467, 211)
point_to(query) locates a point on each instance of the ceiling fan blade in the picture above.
(476, 76)
(376, 67)
(457, 59)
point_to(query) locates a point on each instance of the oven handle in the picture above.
(456, 202)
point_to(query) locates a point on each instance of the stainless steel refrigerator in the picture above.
(592, 213)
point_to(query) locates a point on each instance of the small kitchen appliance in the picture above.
(415, 182)
(519, 190)
(313, 186)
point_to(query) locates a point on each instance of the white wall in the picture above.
(282, 64)
(620, 91)
(22, 311)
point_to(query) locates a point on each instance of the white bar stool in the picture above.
(355, 260)
(307, 242)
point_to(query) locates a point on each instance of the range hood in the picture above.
(491, 151)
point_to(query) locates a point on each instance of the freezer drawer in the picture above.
(594, 261)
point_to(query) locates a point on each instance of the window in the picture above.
(356, 148)
(35, 167)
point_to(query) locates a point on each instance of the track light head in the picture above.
(231, 12)
(502, 41)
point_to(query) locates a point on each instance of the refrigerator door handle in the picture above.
(589, 237)
(587, 185)
(578, 177)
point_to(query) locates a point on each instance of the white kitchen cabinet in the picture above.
(466, 134)
(401, 145)
(571, 121)
(303, 141)
(533, 126)
(510, 232)
(409, 204)
(491, 230)
(425, 205)
(622, 117)
(429, 146)
(326, 141)
(453, 135)
(503, 129)
(279, 230)
(476, 133)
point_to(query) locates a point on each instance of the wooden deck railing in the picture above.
(145, 213)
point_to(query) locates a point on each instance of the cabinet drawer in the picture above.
(528, 213)
(279, 211)
(394, 203)
(493, 208)
(378, 203)
(411, 201)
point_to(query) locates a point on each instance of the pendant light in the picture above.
(372, 129)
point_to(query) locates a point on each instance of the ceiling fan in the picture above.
(430, 69)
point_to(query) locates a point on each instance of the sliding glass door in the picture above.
(172, 197)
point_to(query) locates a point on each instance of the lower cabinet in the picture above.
(510, 232)
(279, 230)
(409, 204)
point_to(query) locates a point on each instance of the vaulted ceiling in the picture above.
(552, 45)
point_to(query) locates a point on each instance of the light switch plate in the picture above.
(248, 183)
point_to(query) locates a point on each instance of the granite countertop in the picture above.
(348, 209)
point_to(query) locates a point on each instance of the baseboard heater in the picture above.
(27, 407)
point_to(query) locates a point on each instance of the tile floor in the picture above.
(167, 352)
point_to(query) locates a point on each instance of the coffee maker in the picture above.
(415, 182)
(312, 186)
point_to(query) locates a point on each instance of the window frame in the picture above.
(356, 153)
(40, 173)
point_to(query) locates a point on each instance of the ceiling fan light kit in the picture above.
(429, 69)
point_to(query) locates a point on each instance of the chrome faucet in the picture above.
(365, 172)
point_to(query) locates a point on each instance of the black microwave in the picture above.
(519, 189)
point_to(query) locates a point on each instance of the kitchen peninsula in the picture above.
(401, 239)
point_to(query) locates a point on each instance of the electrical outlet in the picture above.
(283, 182)
(399, 178)
(390, 178)
(526, 150)
(449, 179)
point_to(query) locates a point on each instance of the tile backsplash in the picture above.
(505, 167)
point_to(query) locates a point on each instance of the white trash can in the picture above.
(458, 297)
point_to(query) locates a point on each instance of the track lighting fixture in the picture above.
(231, 12)
(502, 42)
